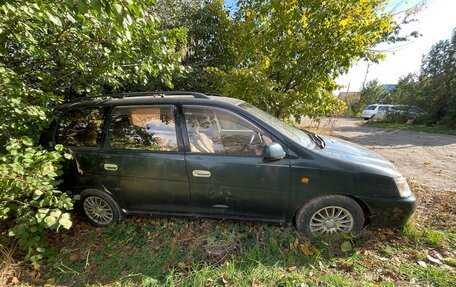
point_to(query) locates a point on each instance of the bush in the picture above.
(51, 51)
(29, 176)
(400, 118)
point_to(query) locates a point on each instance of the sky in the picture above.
(436, 21)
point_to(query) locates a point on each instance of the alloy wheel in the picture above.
(331, 220)
(98, 210)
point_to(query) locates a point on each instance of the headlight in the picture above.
(403, 187)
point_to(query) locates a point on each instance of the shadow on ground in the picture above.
(361, 133)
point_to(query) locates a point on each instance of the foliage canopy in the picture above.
(292, 51)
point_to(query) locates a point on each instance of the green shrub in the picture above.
(29, 196)
(400, 118)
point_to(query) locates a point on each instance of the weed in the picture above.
(434, 237)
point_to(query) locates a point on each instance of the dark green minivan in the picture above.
(190, 154)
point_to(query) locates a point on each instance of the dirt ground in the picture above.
(427, 158)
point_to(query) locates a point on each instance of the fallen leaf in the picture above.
(345, 266)
(291, 269)
(422, 264)
(13, 280)
(50, 282)
(434, 260)
(346, 246)
(225, 281)
(73, 257)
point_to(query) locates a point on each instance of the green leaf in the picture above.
(346, 246)
(117, 8)
(65, 222)
(54, 19)
(50, 220)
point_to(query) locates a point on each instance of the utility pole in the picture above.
(365, 76)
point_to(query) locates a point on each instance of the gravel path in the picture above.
(427, 158)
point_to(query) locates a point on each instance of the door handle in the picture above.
(110, 166)
(201, 173)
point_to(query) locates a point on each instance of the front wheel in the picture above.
(328, 216)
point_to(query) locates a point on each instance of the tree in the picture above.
(434, 88)
(407, 92)
(56, 50)
(373, 92)
(438, 82)
(290, 52)
(210, 43)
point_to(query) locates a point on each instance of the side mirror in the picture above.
(273, 151)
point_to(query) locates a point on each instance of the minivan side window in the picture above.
(215, 130)
(81, 128)
(150, 128)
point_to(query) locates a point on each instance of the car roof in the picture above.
(153, 98)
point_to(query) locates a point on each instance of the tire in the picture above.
(108, 211)
(311, 212)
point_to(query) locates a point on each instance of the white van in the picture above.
(377, 110)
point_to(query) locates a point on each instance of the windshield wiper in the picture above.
(322, 141)
(318, 140)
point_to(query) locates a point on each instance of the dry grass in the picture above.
(434, 207)
(323, 126)
(9, 269)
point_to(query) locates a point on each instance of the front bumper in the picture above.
(390, 212)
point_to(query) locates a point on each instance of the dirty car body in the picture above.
(210, 156)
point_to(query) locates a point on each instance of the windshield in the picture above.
(294, 134)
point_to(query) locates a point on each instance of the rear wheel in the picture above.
(100, 208)
(328, 216)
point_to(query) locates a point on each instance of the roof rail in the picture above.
(214, 94)
(160, 94)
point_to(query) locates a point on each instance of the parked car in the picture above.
(411, 112)
(377, 111)
(189, 154)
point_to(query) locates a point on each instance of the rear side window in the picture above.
(81, 128)
(143, 128)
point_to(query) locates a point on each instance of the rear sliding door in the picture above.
(143, 161)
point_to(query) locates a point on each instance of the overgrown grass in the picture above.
(145, 251)
(412, 127)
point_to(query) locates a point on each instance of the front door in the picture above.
(143, 161)
(227, 173)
